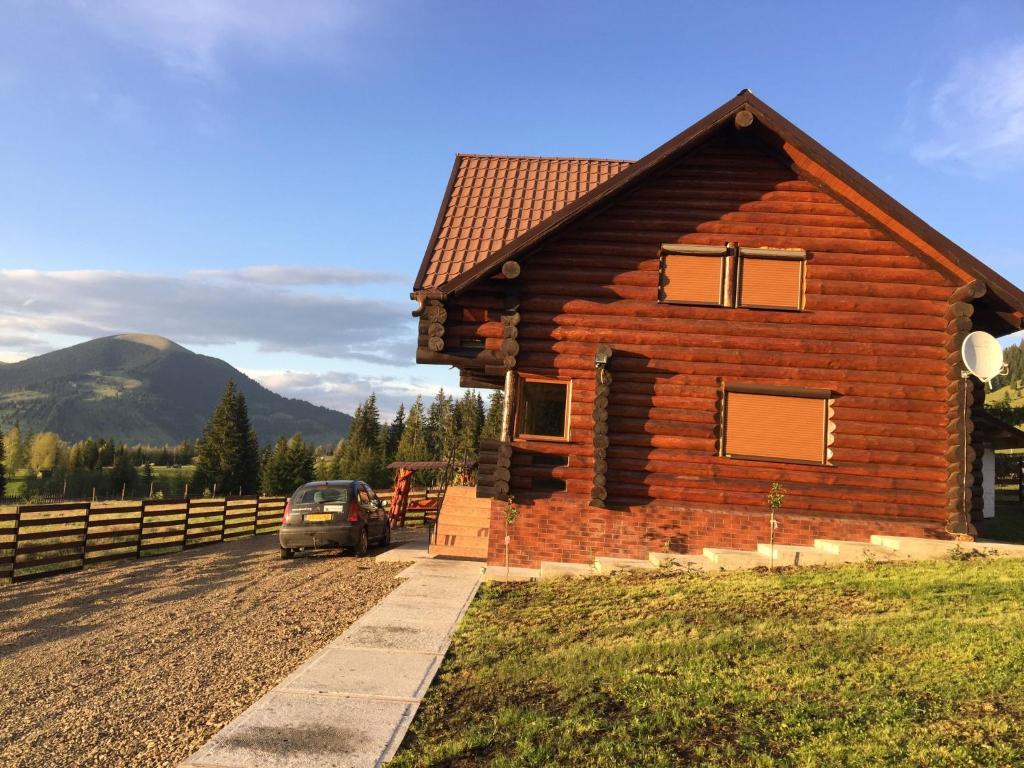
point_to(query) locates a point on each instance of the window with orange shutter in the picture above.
(770, 279)
(777, 424)
(694, 274)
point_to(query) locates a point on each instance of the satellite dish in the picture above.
(982, 355)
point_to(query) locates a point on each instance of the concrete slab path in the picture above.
(350, 705)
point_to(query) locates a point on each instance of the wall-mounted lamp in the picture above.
(603, 355)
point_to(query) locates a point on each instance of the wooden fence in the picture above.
(39, 540)
(46, 539)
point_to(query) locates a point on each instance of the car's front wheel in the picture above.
(385, 539)
(287, 554)
(363, 545)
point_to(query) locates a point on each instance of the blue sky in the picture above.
(257, 180)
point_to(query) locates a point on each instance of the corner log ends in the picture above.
(962, 453)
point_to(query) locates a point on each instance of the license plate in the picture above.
(336, 508)
(317, 518)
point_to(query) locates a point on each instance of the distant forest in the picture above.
(227, 458)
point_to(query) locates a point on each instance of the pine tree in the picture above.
(227, 455)
(361, 456)
(492, 422)
(123, 474)
(413, 445)
(395, 430)
(469, 421)
(439, 426)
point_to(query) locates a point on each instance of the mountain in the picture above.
(139, 388)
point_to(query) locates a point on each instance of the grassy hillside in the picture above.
(145, 389)
(896, 665)
(998, 395)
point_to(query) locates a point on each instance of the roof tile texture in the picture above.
(495, 199)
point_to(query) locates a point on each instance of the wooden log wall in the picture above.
(879, 330)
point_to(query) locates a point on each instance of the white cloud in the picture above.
(38, 305)
(975, 118)
(280, 276)
(344, 391)
(192, 35)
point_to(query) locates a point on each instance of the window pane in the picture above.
(693, 279)
(543, 409)
(775, 427)
(773, 283)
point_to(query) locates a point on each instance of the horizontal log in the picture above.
(567, 365)
(647, 307)
(765, 342)
(698, 322)
(658, 348)
(435, 344)
(969, 292)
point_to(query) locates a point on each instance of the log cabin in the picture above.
(674, 334)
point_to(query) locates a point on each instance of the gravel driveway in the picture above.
(139, 664)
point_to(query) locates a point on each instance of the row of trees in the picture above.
(26, 450)
(228, 458)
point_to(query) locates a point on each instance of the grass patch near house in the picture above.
(904, 664)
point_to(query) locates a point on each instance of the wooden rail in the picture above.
(38, 540)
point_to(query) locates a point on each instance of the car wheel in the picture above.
(363, 545)
(385, 540)
(287, 554)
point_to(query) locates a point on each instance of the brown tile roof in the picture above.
(492, 199)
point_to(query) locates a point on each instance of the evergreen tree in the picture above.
(123, 474)
(469, 421)
(361, 456)
(227, 455)
(439, 426)
(148, 481)
(289, 465)
(492, 422)
(395, 431)
(413, 445)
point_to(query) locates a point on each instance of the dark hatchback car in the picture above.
(333, 514)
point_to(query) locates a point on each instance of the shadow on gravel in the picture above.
(72, 600)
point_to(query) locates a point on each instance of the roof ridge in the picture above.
(541, 157)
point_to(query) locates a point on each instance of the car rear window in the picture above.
(321, 494)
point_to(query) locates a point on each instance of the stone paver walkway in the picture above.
(350, 705)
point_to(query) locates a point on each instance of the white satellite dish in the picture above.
(982, 355)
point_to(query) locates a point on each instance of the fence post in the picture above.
(1020, 482)
(224, 518)
(142, 521)
(188, 514)
(255, 514)
(14, 546)
(85, 540)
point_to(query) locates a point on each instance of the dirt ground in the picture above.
(139, 664)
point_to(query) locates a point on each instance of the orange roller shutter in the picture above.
(775, 427)
(773, 283)
(693, 279)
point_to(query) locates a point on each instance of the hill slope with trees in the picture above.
(138, 388)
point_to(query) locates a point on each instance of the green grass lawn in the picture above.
(904, 665)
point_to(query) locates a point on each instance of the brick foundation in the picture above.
(572, 532)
